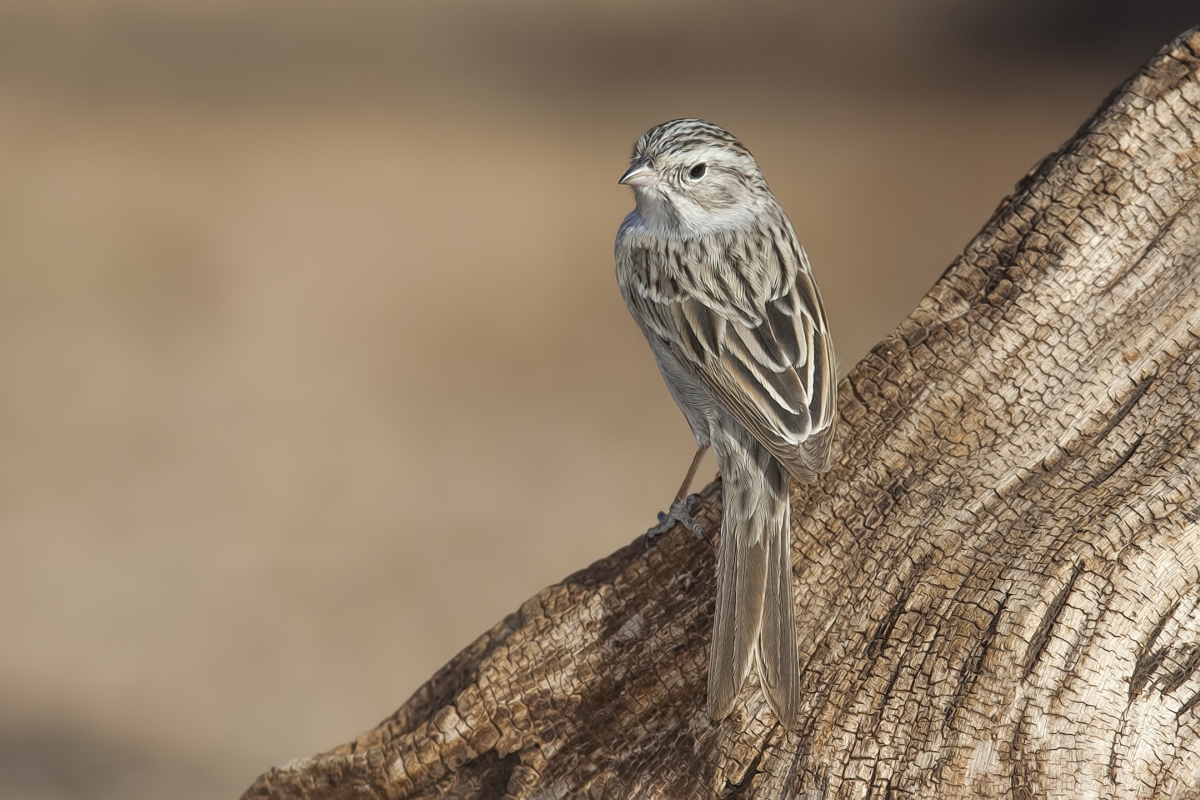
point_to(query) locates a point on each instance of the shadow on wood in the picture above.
(999, 580)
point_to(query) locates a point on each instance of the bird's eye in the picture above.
(697, 172)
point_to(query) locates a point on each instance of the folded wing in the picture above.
(742, 314)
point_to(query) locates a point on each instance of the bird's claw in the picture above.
(681, 512)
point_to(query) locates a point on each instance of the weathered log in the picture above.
(998, 581)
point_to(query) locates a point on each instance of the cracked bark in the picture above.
(998, 582)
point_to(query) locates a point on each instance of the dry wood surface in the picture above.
(998, 581)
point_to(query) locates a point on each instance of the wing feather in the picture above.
(786, 334)
(706, 325)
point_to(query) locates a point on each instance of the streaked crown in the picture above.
(686, 135)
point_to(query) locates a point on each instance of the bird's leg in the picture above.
(683, 506)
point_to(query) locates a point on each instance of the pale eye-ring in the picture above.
(697, 172)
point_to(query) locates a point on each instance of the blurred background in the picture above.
(312, 364)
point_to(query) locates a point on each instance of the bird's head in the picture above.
(692, 178)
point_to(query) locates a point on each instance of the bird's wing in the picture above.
(742, 314)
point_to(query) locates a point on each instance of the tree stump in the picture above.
(998, 582)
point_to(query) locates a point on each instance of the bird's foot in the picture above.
(681, 512)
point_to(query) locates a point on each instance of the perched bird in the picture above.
(711, 270)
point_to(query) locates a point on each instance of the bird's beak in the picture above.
(640, 173)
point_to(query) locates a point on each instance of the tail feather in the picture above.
(754, 614)
(724, 679)
(741, 577)
(778, 658)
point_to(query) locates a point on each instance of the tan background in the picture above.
(312, 366)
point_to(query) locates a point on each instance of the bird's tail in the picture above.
(755, 612)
